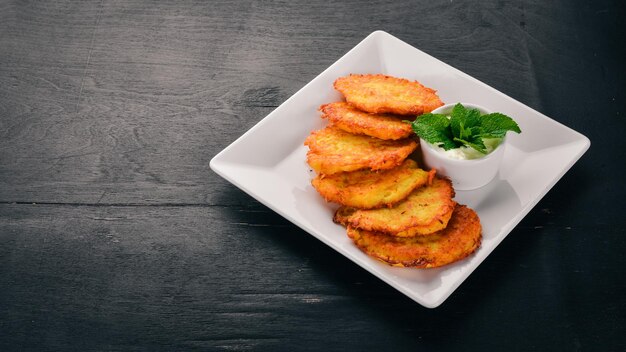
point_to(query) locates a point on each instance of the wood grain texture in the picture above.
(151, 90)
(115, 234)
(224, 278)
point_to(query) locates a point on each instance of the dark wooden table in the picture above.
(116, 235)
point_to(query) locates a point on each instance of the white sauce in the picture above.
(466, 153)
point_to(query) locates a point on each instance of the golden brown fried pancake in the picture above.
(353, 120)
(385, 94)
(367, 189)
(332, 150)
(459, 239)
(426, 210)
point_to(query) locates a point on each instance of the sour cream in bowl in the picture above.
(468, 167)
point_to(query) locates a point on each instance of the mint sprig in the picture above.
(465, 127)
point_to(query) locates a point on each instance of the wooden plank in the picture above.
(156, 91)
(187, 276)
(213, 277)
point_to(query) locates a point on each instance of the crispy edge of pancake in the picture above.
(353, 120)
(458, 240)
(367, 189)
(378, 93)
(333, 150)
(407, 217)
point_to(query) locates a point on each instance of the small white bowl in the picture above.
(465, 174)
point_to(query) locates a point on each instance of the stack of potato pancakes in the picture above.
(393, 210)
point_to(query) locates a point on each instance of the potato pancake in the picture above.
(458, 240)
(426, 210)
(333, 150)
(353, 120)
(367, 189)
(385, 94)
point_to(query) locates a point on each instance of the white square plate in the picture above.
(269, 161)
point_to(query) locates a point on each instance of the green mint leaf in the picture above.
(472, 118)
(496, 125)
(463, 120)
(468, 133)
(464, 127)
(434, 129)
(475, 142)
(457, 119)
